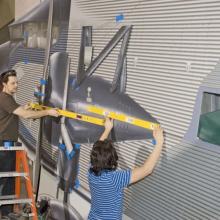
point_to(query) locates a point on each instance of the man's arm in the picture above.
(149, 164)
(23, 112)
(108, 127)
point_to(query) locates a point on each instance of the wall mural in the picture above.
(84, 93)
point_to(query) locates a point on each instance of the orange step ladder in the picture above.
(21, 159)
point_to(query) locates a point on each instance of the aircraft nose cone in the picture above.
(102, 101)
(125, 131)
(132, 129)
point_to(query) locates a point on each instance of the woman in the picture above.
(107, 183)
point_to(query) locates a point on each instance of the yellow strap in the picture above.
(122, 117)
(100, 111)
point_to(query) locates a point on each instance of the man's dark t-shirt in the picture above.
(8, 120)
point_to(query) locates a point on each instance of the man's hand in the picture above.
(27, 106)
(108, 124)
(158, 135)
(53, 112)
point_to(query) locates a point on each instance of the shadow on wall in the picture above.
(175, 188)
(134, 192)
(135, 196)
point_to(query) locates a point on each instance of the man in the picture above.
(10, 112)
(107, 183)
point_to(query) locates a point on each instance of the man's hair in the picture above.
(4, 77)
(103, 157)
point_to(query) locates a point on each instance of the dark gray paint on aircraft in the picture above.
(96, 91)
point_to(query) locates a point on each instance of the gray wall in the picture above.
(174, 45)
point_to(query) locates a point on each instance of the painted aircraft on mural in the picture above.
(84, 88)
(74, 92)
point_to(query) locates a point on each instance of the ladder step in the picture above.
(12, 174)
(15, 201)
(8, 197)
(28, 215)
(11, 148)
(20, 215)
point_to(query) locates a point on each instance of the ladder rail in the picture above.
(22, 159)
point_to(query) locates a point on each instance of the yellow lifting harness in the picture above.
(99, 111)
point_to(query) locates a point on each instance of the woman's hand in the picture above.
(108, 124)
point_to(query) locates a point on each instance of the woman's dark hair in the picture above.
(4, 77)
(103, 157)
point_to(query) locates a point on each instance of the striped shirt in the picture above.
(107, 192)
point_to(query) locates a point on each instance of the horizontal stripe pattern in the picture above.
(107, 192)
